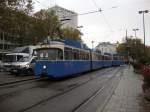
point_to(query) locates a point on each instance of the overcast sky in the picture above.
(108, 25)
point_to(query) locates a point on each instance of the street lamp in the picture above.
(135, 29)
(92, 44)
(143, 12)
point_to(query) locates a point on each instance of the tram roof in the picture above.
(75, 43)
(68, 42)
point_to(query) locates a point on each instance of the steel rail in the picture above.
(92, 97)
(64, 92)
(19, 81)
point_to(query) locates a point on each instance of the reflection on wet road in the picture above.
(86, 93)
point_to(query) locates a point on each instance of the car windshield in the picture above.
(24, 59)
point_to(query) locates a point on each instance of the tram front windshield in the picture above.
(50, 54)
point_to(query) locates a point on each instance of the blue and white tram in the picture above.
(117, 60)
(58, 60)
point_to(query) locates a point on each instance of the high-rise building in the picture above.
(63, 13)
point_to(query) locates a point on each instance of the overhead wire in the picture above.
(86, 13)
(90, 12)
(105, 19)
(95, 3)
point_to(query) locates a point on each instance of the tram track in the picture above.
(61, 91)
(19, 83)
(11, 85)
(81, 106)
(66, 91)
(101, 109)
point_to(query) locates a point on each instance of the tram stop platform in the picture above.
(128, 96)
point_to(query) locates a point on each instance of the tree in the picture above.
(50, 22)
(71, 33)
(15, 19)
(135, 48)
(20, 27)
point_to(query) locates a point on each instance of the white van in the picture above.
(21, 60)
(24, 65)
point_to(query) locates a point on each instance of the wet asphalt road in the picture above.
(85, 93)
(6, 77)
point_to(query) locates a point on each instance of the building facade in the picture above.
(106, 47)
(63, 13)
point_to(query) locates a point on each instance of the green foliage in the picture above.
(71, 33)
(15, 21)
(135, 48)
(22, 28)
(49, 22)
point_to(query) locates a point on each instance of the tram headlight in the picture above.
(44, 67)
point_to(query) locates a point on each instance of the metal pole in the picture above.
(136, 29)
(142, 12)
(144, 30)
(127, 47)
(92, 45)
(3, 41)
(135, 33)
(126, 35)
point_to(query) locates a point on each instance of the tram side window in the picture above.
(107, 57)
(68, 53)
(100, 57)
(87, 56)
(115, 58)
(76, 54)
(94, 56)
(60, 55)
(83, 55)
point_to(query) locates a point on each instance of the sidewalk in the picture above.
(128, 96)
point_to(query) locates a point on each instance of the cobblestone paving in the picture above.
(128, 96)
